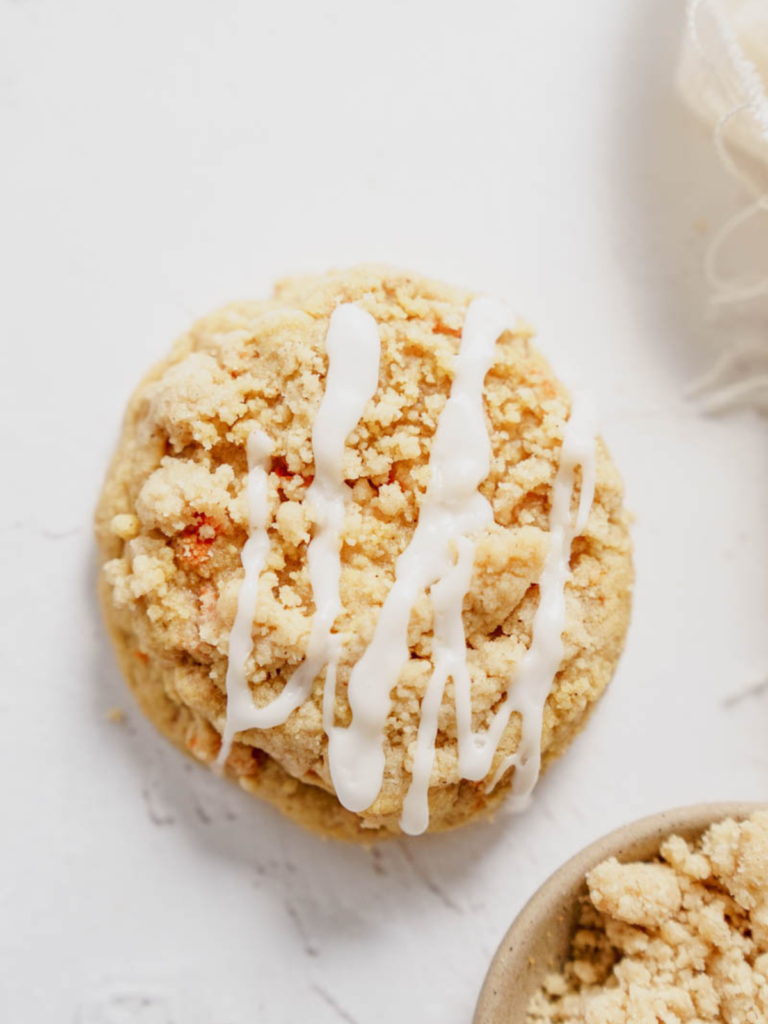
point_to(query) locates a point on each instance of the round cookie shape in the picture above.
(175, 522)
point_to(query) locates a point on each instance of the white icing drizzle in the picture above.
(354, 352)
(450, 659)
(452, 509)
(531, 683)
(440, 557)
(253, 555)
(532, 679)
(354, 349)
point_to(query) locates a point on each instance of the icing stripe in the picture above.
(354, 353)
(450, 660)
(354, 348)
(531, 681)
(452, 509)
(253, 556)
(440, 558)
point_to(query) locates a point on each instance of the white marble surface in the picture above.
(160, 158)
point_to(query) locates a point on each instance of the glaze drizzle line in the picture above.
(439, 558)
(452, 509)
(531, 682)
(354, 350)
(253, 556)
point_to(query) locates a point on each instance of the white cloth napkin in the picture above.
(723, 78)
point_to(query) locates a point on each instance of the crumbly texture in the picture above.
(681, 939)
(172, 521)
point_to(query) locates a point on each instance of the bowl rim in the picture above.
(689, 820)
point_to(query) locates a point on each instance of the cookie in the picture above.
(363, 552)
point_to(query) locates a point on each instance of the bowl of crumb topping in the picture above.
(665, 919)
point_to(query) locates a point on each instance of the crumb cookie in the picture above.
(363, 553)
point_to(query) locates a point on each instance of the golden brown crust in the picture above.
(172, 520)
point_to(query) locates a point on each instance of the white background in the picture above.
(160, 158)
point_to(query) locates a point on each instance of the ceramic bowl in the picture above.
(539, 939)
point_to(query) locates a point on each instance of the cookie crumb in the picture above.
(115, 715)
(125, 526)
(682, 938)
